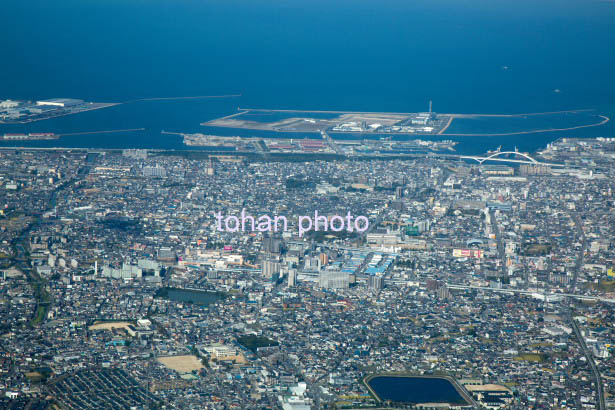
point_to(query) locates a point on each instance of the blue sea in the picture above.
(468, 56)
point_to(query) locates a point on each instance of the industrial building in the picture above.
(60, 102)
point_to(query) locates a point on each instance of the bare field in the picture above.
(306, 124)
(181, 364)
(109, 325)
(486, 387)
(238, 359)
(383, 119)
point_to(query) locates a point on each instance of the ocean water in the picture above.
(468, 56)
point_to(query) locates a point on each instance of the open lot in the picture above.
(109, 325)
(181, 364)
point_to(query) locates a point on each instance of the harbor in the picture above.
(24, 112)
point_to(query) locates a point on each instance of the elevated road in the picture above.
(332, 143)
(514, 290)
(590, 359)
(496, 157)
(500, 243)
(568, 311)
(530, 293)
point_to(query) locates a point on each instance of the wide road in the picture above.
(512, 290)
(588, 354)
(498, 238)
(21, 259)
(332, 143)
(590, 358)
(530, 293)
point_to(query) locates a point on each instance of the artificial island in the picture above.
(407, 124)
(23, 112)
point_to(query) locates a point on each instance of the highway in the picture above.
(332, 143)
(261, 148)
(590, 358)
(494, 157)
(498, 238)
(530, 293)
(21, 258)
(434, 155)
(512, 291)
(568, 311)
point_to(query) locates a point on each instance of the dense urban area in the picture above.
(119, 290)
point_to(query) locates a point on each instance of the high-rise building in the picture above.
(127, 271)
(376, 282)
(527, 169)
(423, 225)
(334, 280)
(444, 293)
(292, 278)
(272, 245)
(156, 171)
(270, 268)
(324, 259)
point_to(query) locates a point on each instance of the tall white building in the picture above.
(270, 268)
(292, 278)
(156, 171)
(334, 280)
